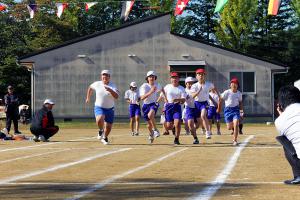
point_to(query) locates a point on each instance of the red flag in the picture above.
(2, 7)
(180, 6)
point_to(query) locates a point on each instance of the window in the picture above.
(246, 80)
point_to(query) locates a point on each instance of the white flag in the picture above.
(89, 4)
(126, 8)
(60, 8)
(32, 8)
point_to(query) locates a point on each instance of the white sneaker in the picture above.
(132, 133)
(100, 134)
(4, 131)
(156, 133)
(208, 135)
(35, 138)
(136, 134)
(235, 143)
(104, 141)
(42, 138)
(151, 138)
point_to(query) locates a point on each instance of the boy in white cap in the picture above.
(190, 115)
(149, 94)
(106, 94)
(133, 98)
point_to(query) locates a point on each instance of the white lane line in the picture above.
(44, 144)
(209, 191)
(122, 175)
(230, 184)
(61, 166)
(31, 156)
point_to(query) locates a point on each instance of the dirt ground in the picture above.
(75, 165)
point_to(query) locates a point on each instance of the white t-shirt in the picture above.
(231, 99)
(133, 96)
(215, 97)
(204, 93)
(173, 92)
(104, 98)
(189, 100)
(145, 88)
(288, 124)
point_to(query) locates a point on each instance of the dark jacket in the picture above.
(43, 118)
(11, 104)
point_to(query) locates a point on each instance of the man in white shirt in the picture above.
(106, 94)
(288, 126)
(201, 92)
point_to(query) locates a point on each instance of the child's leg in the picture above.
(235, 129)
(137, 124)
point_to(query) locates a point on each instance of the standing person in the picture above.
(43, 125)
(201, 92)
(149, 94)
(132, 97)
(106, 94)
(11, 101)
(190, 108)
(288, 126)
(212, 114)
(233, 108)
(175, 95)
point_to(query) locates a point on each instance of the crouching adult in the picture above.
(288, 126)
(42, 126)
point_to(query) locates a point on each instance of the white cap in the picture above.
(190, 79)
(49, 101)
(105, 71)
(133, 84)
(151, 73)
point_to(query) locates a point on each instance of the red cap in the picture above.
(174, 74)
(200, 70)
(234, 80)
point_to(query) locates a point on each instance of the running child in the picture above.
(212, 114)
(132, 97)
(233, 107)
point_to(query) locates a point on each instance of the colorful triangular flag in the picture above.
(2, 7)
(32, 8)
(88, 5)
(220, 5)
(273, 7)
(180, 6)
(60, 8)
(126, 8)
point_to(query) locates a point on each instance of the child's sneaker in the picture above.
(156, 133)
(151, 138)
(132, 133)
(136, 134)
(196, 141)
(208, 135)
(100, 133)
(176, 141)
(235, 143)
(219, 133)
(104, 141)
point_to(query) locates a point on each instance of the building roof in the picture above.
(138, 22)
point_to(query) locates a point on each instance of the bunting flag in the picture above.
(180, 6)
(273, 7)
(126, 8)
(2, 7)
(32, 8)
(220, 5)
(88, 5)
(60, 8)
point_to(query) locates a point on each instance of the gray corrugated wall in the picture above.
(61, 75)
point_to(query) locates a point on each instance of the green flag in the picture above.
(220, 5)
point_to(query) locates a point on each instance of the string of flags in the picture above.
(273, 7)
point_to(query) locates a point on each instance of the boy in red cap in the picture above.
(233, 108)
(175, 95)
(200, 91)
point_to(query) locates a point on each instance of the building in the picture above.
(64, 72)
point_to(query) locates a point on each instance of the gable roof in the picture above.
(139, 21)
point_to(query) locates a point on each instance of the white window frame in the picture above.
(242, 71)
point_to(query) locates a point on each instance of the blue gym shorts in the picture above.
(199, 107)
(212, 113)
(147, 107)
(231, 113)
(173, 111)
(109, 113)
(134, 110)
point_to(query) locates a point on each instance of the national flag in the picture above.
(180, 6)
(126, 8)
(60, 8)
(32, 8)
(273, 7)
(2, 7)
(88, 5)
(220, 5)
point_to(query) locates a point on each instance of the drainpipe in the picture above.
(273, 89)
